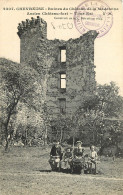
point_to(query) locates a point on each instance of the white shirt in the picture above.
(93, 154)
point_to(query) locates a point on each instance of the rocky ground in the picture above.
(26, 171)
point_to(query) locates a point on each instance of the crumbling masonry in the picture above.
(66, 67)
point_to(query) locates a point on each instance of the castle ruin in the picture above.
(66, 67)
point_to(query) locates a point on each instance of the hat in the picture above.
(55, 141)
(79, 142)
(68, 148)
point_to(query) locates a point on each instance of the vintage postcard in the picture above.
(61, 97)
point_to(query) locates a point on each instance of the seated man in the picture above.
(56, 155)
(78, 150)
(56, 150)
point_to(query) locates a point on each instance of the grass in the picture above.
(26, 171)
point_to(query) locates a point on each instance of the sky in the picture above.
(108, 51)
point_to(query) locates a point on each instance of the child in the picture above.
(92, 158)
(93, 153)
(68, 153)
(67, 156)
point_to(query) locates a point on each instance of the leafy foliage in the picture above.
(88, 123)
(110, 101)
(19, 84)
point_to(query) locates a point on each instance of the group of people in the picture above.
(76, 152)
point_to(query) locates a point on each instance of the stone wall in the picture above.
(44, 55)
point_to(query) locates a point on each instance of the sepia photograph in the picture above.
(61, 97)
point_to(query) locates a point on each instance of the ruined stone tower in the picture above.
(29, 32)
(66, 67)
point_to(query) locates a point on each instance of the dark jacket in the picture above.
(56, 151)
(68, 155)
(78, 152)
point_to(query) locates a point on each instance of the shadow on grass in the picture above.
(45, 171)
(49, 171)
(67, 171)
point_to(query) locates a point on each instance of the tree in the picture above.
(19, 83)
(111, 103)
(92, 113)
